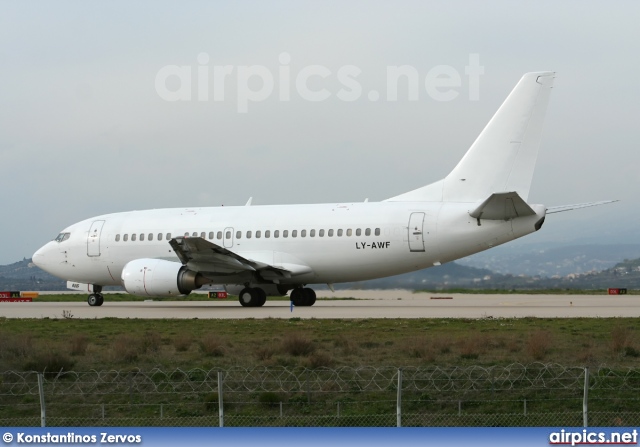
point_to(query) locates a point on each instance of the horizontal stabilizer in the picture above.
(502, 206)
(559, 209)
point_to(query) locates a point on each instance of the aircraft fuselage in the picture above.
(338, 242)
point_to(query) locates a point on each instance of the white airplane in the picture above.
(270, 250)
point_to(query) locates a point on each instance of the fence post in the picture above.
(102, 407)
(130, 380)
(585, 399)
(459, 408)
(280, 408)
(43, 411)
(525, 407)
(338, 408)
(220, 401)
(399, 400)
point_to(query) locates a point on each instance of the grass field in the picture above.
(109, 343)
(70, 344)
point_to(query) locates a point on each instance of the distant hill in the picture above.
(24, 275)
(442, 276)
(552, 261)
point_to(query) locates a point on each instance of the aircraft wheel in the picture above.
(93, 300)
(261, 297)
(297, 297)
(310, 296)
(100, 299)
(247, 297)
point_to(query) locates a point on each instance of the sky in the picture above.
(97, 114)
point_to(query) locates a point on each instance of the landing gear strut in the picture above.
(303, 297)
(96, 298)
(252, 297)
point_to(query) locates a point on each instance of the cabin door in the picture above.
(93, 238)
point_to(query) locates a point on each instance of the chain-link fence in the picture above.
(514, 395)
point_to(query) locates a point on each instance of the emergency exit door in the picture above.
(416, 240)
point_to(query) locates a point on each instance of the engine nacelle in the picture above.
(156, 277)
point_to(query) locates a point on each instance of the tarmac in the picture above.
(357, 304)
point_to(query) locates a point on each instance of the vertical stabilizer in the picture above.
(503, 157)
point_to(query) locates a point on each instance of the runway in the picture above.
(362, 304)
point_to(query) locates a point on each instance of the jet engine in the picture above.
(156, 277)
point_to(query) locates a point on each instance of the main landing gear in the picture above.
(252, 297)
(256, 297)
(303, 297)
(96, 298)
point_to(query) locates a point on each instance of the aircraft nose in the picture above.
(40, 257)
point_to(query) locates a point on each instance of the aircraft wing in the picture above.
(559, 209)
(205, 256)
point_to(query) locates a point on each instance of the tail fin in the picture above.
(503, 157)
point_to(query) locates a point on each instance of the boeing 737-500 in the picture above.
(276, 249)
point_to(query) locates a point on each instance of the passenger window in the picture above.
(303, 233)
(133, 238)
(194, 234)
(228, 235)
(349, 232)
(159, 236)
(203, 235)
(321, 233)
(330, 233)
(339, 232)
(294, 233)
(210, 235)
(267, 234)
(168, 236)
(377, 231)
(238, 234)
(312, 233)
(276, 233)
(367, 232)
(150, 238)
(117, 237)
(186, 234)
(248, 234)
(358, 232)
(219, 235)
(258, 234)
(285, 233)
(125, 238)
(142, 236)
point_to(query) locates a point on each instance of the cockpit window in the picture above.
(62, 237)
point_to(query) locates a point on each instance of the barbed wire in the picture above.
(516, 376)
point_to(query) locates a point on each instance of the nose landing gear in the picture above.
(96, 298)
